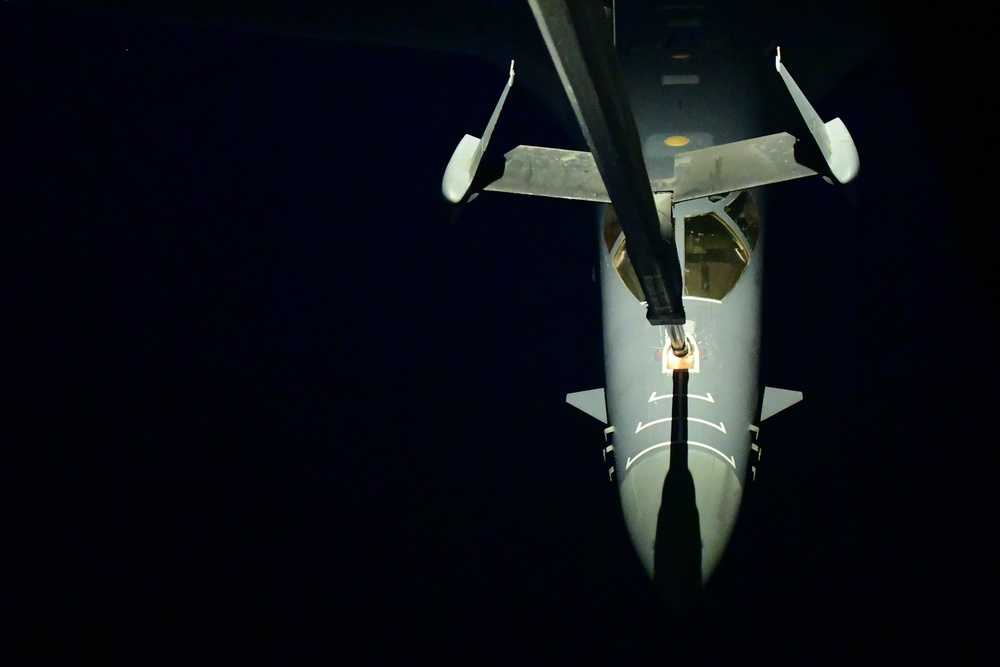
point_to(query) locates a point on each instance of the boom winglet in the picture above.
(832, 137)
(567, 174)
(464, 162)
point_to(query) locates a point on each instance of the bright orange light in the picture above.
(674, 363)
(676, 141)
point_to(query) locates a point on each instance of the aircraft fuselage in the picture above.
(688, 91)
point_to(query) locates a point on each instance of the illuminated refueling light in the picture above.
(681, 56)
(670, 361)
(676, 141)
(675, 363)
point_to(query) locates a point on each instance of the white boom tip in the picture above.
(832, 138)
(464, 163)
(461, 169)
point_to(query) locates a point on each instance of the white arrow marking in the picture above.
(731, 460)
(720, 426)
(707, 397)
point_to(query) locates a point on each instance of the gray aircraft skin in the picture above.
(693, 73)
(692, 94)
(690, 87)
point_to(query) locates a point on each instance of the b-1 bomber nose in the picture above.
(680, 519)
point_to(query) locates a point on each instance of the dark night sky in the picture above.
(268, 402)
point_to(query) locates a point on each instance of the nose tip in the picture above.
(677, 545)
(680, 520)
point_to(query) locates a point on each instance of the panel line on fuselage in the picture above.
(654, 398)
(720, 426)
(731, 460)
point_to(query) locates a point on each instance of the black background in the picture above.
(265, 401)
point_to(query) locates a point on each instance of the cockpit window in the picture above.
(743, 210)
(714, 257)
(612, 228)
(715, 254)
(615, 241)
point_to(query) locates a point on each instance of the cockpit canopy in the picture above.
(717, 245)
